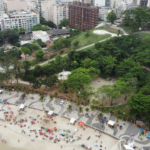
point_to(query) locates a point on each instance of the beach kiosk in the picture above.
(1, 91)
(72, 120)
(127, 147)
(81, 124)
(50, 113)
(111, 123)
(22, 107)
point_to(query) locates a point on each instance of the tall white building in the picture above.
(1, 5)
(59, 12)
(25, 19)
(46, 9)
(99, 3)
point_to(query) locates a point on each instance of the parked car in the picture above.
(62, 102)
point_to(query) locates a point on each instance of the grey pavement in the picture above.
(54, 105)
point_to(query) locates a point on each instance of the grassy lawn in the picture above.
(111, 30)
(144, 34)
(84, 41)
(126, 28)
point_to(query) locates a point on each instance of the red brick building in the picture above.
(83, 16)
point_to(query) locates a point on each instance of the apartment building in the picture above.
(59, 12)
(103, 12)
(18, 19)
(17, 5)
(1, 5)
(46, 9)
(83, 16)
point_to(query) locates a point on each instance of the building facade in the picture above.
(19, 19)
(83, 16)
(1, 5)
(59, 12)
(16, 5)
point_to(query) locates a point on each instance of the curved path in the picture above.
(91, 119)
(49, 106)
(19, 101)
(99, 126)
(33, 102)
(6, 99)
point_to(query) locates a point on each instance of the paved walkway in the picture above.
(55, 105)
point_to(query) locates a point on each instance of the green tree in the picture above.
(100, 115)
(26, 65)
(69, 108)
(21, 30)
(80, 109)
(51, 98)
(26, 51)
(87, 34)
(39, 54)
(63, 23)
(111, 17)
(78, 79)
(76, 43)
(86, 109)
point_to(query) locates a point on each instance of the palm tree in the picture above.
(41, 97)
(51, 98)
(87, 102)
(27, 93)
(100, 115)
(56, 94)
(9, 90)
(92, 107)
(24, 88)
(86, 109)
(71, 100)
(111, 112)
(118, 117)
(78, 103)
(102, 108)
(32, 91)
(80, 109)
(69, 108)
(6, 89)
(17, 88)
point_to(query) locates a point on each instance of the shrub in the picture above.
(52, 56)
(61, 51)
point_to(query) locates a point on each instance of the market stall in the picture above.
(72, 120)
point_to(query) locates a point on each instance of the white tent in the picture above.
(63, 75)
(72, 120)
(127, 147)
(21, 106)
(111, 123)
(50, 112)
(1, 91)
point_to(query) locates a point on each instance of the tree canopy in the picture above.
(111, 16)
(63, 23)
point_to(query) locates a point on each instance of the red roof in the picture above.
(81, 124)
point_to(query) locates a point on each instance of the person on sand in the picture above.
(61, 146)
(18, 140)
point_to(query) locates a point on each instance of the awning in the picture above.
(127, 147)
(110, 122)
(50, 112)
(72, 120)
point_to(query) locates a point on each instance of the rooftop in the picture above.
(40, 33)
(87, 5)
(57, 31)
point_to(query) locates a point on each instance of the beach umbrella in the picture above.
(28, 124)
(105, 118)
(45, 129)
(25, 117)
(40, 132)
(81, 124)
(70, 134)
(75, 130)
(95, 144)
(32, 138)
(39, 129)
(48, 130)
(89, 147)
(77, 138)
(71, 140)
(50, 136)
(54, 127)
(66, 139)
(81, 143)
(61, 132)
(68, 130)
(66, 134)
